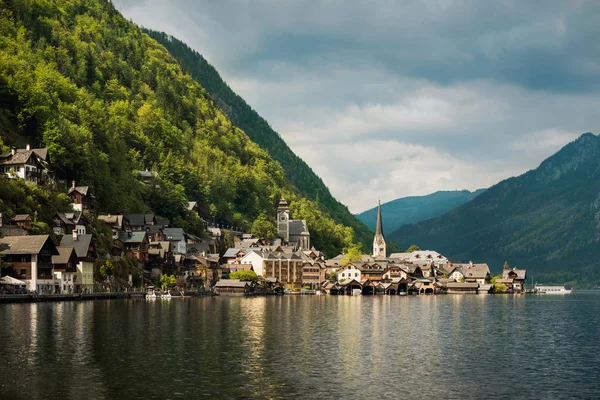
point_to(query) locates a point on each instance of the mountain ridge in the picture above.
(546, 220)
(412, 209)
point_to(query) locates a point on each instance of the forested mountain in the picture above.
(259, 131)
(546, 220)
(107, 101)
(409, 210)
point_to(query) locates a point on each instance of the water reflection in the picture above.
(311, 347)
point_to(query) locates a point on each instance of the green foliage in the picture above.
(331, 276)
(498, 287)
(352, 254)
(168, 281)
(264, 227)
(412, 248)
(244, 276)
(296, 170)
(108, 101)
(107, 269)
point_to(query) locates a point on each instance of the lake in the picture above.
(446, 346)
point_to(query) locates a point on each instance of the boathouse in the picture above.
(232, 287)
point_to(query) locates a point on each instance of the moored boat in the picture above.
(551, 289)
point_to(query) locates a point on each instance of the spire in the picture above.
(379, 229)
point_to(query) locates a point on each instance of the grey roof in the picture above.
(21, 156)
(64, 253)
(148, 174)
(235, 283)
(111, 219)
(132, 237)
(477, 271)
(520, 273)
(21, 218)
(25, 244)
(297, 226)
(174, 234)
(135, 219)
(81, 245)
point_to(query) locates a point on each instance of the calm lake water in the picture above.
(441, 347)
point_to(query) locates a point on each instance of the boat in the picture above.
(166, 295)
(551, 289)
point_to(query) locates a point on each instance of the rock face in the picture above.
(410, 210)
(546, 220)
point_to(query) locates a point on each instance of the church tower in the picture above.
(283, 220)
(379, 250)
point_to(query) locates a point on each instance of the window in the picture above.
(23, 272)
(356, 275)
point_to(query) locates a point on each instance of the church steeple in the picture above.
(379, 248)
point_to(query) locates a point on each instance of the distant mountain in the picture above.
(410, 210)
(546, 220)
(297, 172)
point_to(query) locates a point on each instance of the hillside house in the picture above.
(65, 269)
(27, 164)
(85, 249)
(81, 196)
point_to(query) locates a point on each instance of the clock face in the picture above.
(282, 218)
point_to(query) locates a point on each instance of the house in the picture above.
(514, 279)
(422, 286)
(85, 249)
(66, 223)
(350, 271)
(114, 222)
(394, 272)
(457, 274)
(179, 238)
(65, 268)
(421, 257)
(27, 164)
(138, 222)
(254, 258)
(30, 259)
(22, 221)
(232, 287)
(136, 244)
(313, 272)
(81, 197)
(479, 273)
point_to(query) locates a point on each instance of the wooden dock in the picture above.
(35, 298)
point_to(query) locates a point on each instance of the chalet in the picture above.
(394, 272)
(23, 221)
(179, 238)
(136, 244)
(65, 268)
(138, 222)
(232, 287)
(514, 279)
(66, 223)
(479, 273)
(114, 222)
(81, 197)
(192, 206)
(148, 176)
(350, 271)
(27, 164)
(30, 259)
(85, 249)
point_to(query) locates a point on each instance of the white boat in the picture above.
(150, 296)
(166, 295)
(551, 289)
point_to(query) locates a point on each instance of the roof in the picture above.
(21, 156)
(25, 244)
(297, 226)
(477, 271)
(81, 245)
(9, 280)
(69, 218)
(400, 255)
(111, 219)
(64, 253)
(234, 283)
(80, 189)
(191, 205)
(21, 218)
(135, 219)
(132, 237)
(174, 234)
(379, 227)
(148, 174)
(520, 274)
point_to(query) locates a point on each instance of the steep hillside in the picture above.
(296, 170)
(107, 100)
(546, 220)
(409, 210)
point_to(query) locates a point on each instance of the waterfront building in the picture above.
(30, 259)
(65, 269)
(232, 287)
(379, 245)
(514, 279)
(479, 273)
(85, 249)
(286, 267)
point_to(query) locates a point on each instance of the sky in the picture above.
(387, 99)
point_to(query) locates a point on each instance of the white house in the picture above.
(256, 258)
(350, 271)
(27, 164)
(421, 257)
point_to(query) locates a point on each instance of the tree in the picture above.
(412, 248)
(264, 227)
(331, 276)
(352, 254)
(498, 286)
(244, 276)
(107, 269)
(506, 266)
(168, 281)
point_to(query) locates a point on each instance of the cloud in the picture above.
(390, 99)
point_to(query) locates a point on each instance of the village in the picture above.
(222, 261)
